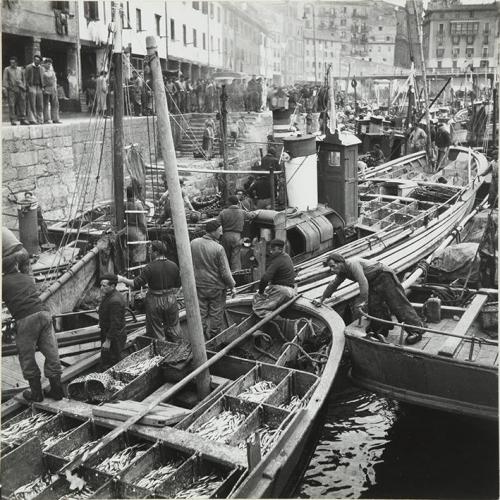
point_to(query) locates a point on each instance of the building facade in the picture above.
(460, 38)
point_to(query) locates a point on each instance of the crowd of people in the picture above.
(32, 92)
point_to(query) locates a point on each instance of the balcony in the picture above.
(458, 71)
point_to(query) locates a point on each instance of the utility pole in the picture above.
(195, 328)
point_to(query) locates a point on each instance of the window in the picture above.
(387, 38)
(60, 6)
(486, 40)
(138, 20)
(204, 7)
(307, 53)
(470, 40)
(455, 52)
(379, 48)
(486, 27)
(439, 65)
(455, 40)
(454, 64)
(342, 22)
(485, 52)
(469, 52)
(204, 41)
(342, 34)
(464, 28)
(211, 43)
(471, 13)
(184, 34)
(484, 63)
(218, 14)
(380, 28)
(196, 5)
(439, 52)
(195, 41)
(172, 29)
(211, 11)
(91, 11)
(441, 28)
(158, 24)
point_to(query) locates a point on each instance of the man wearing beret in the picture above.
(213, 277)
(111, 321)
(280, 276)
(164, 280)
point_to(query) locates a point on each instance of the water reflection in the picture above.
(372, 447)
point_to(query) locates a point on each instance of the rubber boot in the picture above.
(34, 394)
(56, 389)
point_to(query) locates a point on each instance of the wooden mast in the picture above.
(179, 221)
(426, 95)
(118, 192)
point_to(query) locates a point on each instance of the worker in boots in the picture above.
(34, 331)
(111, 322)
(163, 279)
(380, 288)
(277, 284)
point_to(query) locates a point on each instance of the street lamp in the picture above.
(314, 39)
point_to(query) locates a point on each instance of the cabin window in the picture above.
(195, 38)
(334, 159)
(184, 34)
(172, 29)
(204, 41)
(138, 20)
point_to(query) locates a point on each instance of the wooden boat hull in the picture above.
(406, 374)
(274, 473)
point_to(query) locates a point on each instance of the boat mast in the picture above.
(223, 142)
(426, 95)
(331, 98)
(119, 212)
(182, 243)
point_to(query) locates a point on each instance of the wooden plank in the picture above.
(451, 345)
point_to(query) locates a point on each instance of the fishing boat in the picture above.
(454, 368)
(271, 389)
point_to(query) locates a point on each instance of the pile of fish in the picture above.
(86, 492)
(52, 440)
(292, 405)
(200, 488)
(258, 392)
(13, 435)
(220, 426)
(267, 437)
(154, 478)
(85, 447)
(139, 367)
(33, 488)
(119, 461)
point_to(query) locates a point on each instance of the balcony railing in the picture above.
(459, 71)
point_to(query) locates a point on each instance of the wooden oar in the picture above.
(170, 392)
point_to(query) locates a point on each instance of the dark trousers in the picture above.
(231, 241)
(212, 304)
(111, 356)
(162, 316)
(35, 331)
(51, 107)
(35, 104)
(17, 105)
(387, 297)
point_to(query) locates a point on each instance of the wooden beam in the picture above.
(451, 345)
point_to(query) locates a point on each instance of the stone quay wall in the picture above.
(60, 163)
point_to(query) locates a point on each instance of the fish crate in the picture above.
(152, 469)
(402, 218)
(83, 438)
(22, 467)
(113, 459)
(374, 205)
(125, 370)
(266, 420)
(293, 392)
(26, 424)
(271, 374)
(96, 485)
(201, 478)
(213, 423)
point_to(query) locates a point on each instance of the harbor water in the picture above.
(373, 447)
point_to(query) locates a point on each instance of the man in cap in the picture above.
(14, 85)
(280, 276)
(232, 220)
(164, 280)
(13, 252)
(213, 277)
(49, 89)
(443, 142)
(33, 331)
(33, 76)
(380, 288)
(111, 321)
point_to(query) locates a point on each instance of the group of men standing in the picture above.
(31, 93)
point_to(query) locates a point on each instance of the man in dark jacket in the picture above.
(111, 321)
(164, 280)
(380, 287)
(213, 277)
(280, 275)
(443, 142)
(232, 220)
(33, 77)
(33, 330)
